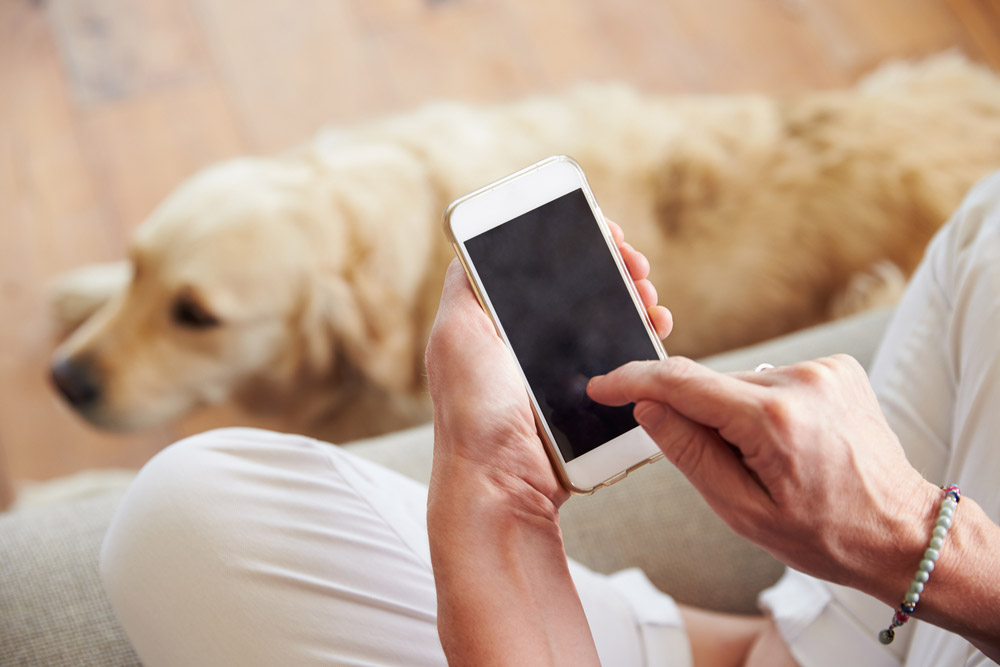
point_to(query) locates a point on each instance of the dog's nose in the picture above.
(76, 382)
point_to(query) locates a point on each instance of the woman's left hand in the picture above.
(482, 416)
(505, 594)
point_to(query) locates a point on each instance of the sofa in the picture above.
(53, 610)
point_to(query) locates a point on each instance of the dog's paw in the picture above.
(882, 285)
(76, 295)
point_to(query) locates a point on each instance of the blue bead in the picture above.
(907, 607)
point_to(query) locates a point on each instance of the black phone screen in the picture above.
(566, 312)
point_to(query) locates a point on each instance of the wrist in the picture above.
(919, 514)
(500, 570)
(501, 465)
(896, 546)
(464, 491)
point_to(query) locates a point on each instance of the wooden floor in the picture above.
(105, 105)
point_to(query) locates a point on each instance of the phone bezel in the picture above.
(502, 201)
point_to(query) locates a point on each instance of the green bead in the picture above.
(921, 576)
(912, 597)
(927, 565)
(916, 587)
(939, 531)
(944, 522)
(936, 543)
(949, 503)
(946, 511)
(886, 636)
(932, 554)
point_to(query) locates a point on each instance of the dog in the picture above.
(306, 284)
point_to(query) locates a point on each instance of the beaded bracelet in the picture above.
(952, 495)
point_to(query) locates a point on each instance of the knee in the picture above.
(188, 507)
(969, 241)
(978, 218)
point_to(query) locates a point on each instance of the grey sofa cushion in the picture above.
(53, 610)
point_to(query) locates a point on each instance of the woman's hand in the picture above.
(482, 416)
(505, 595)
(798, 459)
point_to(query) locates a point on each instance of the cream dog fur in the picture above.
(306, 284)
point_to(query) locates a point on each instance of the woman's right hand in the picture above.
(798, 459)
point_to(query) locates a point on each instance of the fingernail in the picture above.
(593, 380)
(649, 414)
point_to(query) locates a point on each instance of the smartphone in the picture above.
(546, 269)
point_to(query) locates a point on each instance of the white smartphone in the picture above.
(546, 269)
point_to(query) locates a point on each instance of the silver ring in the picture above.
(762, 367)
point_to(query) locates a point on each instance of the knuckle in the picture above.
(433, 349)
(634, 367)
(845, 362)
(778, 413)
(813, 373)
(443, 341)
(629, 373)
(677, 366)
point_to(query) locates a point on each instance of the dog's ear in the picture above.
(76, 295)
(363, 326)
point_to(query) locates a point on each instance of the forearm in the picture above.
(505, 595)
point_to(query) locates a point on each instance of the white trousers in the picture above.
(242, 547)
(246, 547)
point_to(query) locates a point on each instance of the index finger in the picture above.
(695, 391)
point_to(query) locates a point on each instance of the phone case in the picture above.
(550, 447)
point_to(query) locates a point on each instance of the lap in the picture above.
(250, 547)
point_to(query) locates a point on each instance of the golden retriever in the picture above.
(305, 284)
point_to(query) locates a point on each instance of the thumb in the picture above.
(709, 463)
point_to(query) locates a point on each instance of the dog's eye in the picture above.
(189, 313)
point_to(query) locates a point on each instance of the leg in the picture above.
(253, 548)
(937, 376)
